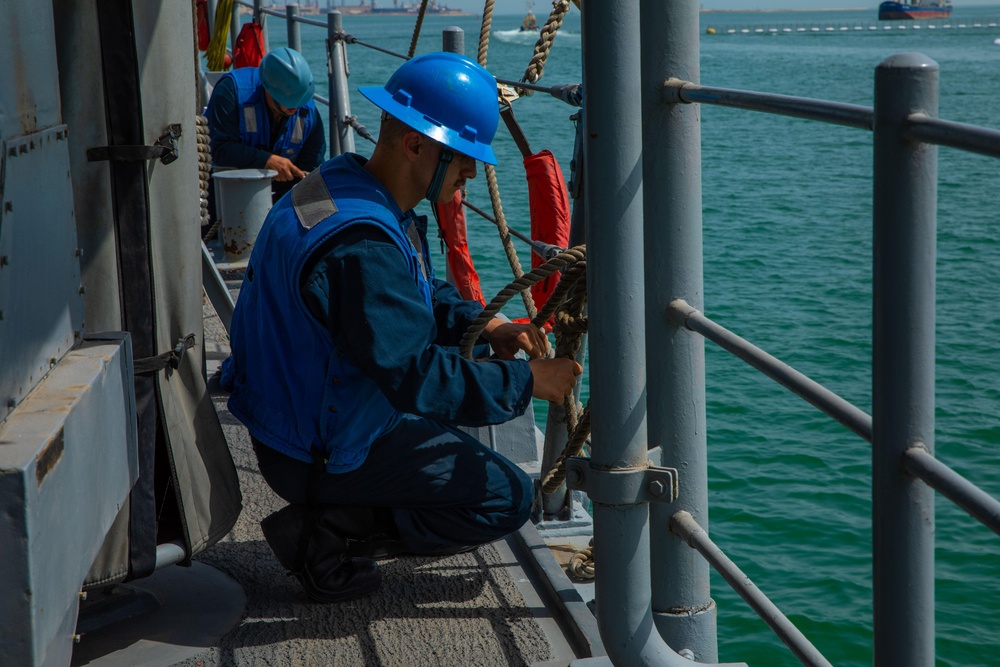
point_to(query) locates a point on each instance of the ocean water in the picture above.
(787, 246)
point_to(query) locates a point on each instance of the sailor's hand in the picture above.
(506, 338)
(286, 168)
(554, 378)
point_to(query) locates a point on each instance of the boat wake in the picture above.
(517, 36)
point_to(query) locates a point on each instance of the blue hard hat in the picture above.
(446, 97)
(286, 75)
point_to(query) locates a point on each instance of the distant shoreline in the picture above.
(771, 11)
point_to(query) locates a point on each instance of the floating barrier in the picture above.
(856, 26)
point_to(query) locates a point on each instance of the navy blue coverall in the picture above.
(444, 489)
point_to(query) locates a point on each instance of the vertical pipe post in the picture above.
(555, 505)
(683, 608)
(212, 4)
(905, 221)
(234, 26)
(261, 19)
(558, 504)
(453, 40)
(293, 27)
(613, 149)
(341, 136)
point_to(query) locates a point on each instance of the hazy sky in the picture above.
(544, 6)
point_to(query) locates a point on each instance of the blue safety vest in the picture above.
(255, 128)
(291, 386)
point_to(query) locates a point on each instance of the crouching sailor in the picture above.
(343, 363)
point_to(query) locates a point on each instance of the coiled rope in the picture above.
(524, 282)
(204, 173)
(581, 565)
(570, 325)
(544, 44)
(567, 302)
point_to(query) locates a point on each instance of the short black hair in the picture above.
(392, 129)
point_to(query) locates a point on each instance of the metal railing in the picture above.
(905, 472)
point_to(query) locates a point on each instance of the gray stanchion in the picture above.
(619, 460)
(212, 5)
(261, 19)
(617, 365)
(453, 40)
(683, 608)
(293, 27)
(341, 135)
(905, 221)
(234, 27)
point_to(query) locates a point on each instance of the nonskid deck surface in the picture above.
(460, 610)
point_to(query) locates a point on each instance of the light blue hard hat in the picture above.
(446, 97)
(286, 75)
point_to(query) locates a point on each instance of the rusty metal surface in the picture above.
(67, 463)
(41, 304)
(29, 93)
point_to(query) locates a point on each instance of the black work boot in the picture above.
(284, 531)
(378, 537)
(313, 548)
(329, 574)
(372, 533)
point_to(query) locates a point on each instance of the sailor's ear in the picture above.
(413, 143)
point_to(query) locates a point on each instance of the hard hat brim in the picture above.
(416, 120)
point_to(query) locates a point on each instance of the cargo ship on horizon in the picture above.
(915, 9)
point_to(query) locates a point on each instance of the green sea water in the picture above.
(787, 247)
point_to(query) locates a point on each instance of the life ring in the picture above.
(548, 202)
(451, 223)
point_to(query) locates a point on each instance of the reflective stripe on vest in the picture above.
(312, 200)
(250, 119)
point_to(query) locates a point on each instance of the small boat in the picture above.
(915, 9)
(530, 23)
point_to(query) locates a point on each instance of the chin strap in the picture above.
(434, 189)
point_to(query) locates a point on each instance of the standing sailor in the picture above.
(265, 118)
(343, 365)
